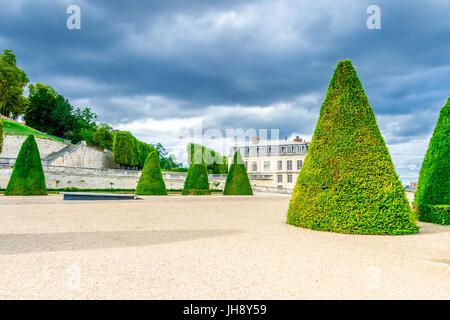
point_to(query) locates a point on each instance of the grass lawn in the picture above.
(13, 128)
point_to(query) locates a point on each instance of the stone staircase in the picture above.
(69, 148)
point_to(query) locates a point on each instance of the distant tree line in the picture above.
(48, 111)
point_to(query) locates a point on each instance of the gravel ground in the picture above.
(205, 247)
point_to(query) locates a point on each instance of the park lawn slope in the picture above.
(16, 129)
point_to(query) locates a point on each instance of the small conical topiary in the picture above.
(27, 178)
(237, 179)
(151, 181)
(348, 183)
(196, 182)
(432, 198)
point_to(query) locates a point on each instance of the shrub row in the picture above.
(129, 151)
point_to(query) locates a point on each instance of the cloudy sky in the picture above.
(161, 68)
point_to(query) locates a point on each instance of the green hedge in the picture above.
(215, 162)
(433, 189)
(27, 177)
(123, 148)
(196, 192)
(434, 213)
(348, 182)
(151, 181)
(237, 180)
(1, 136)
(129, 151)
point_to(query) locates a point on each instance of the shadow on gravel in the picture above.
(47, 242)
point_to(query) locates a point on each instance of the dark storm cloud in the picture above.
(236, 65)
(254, 61)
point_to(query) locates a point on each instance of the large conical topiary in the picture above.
(151, 181)
(432, 198)
(196, 182)
(27, 178)
(348, 183)
(237, 180)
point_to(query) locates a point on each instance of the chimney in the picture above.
(297, 139)
(255, 140)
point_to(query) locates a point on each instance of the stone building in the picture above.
(273, 163)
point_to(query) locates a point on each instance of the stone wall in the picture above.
(12, 145)
(83, 156)
(88, 178)
(60, 154)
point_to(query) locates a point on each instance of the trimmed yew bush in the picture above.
(151, 181)
(129, 151)
(124, 148)
(348, 182)
(196, 182)
(27, 177)
(432, 198)
(135, 153)
(237, 180)
(144, 151)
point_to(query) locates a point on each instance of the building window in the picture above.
(279, 165)
(289, 149)
(299, 164)
(283, 150)
(280, 178)
(289, 177)
(269, 150)
(275, 150)
(254, 166)
(289, 165)
(246, 165)
(266, 165)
